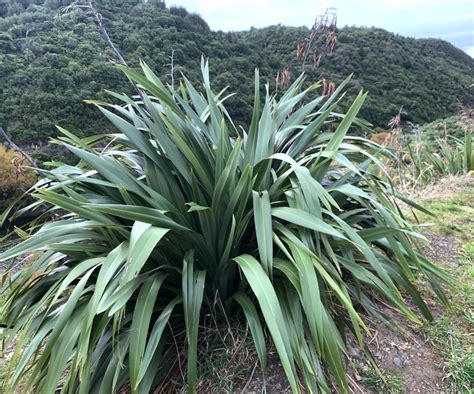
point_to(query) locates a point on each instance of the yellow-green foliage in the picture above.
(13, 181)
(383, 138)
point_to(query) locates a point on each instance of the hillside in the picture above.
(51, 61)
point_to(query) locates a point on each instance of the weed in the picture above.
(388, 382)
(469, 250)
(226, 357)
(453, 215)
(449, 334)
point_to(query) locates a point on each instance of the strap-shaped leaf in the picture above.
(141, 247)
(253, 321)
(305, 219)
(193, 292)
(271, 310)
(140, 323)
(263, 228)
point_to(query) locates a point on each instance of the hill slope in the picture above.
(51, 61)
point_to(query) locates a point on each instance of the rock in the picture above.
(397, 362)
(354, 352)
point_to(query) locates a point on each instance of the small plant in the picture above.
(450, 156)
(386, 382)
(284, 223)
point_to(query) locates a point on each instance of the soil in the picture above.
(406, 353)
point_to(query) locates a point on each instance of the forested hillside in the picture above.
(50, 61)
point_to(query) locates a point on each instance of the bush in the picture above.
(429, 153)
(14, 181)
(426, 161)
(453, 126)
(283, 224)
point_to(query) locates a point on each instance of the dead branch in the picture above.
(90, 7)
(18, 149)
(320, 43)
(171, 66)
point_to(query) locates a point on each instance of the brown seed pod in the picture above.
(283, 78)
(331, 88)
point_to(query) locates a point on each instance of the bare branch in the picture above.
(18, 149)
(90, 7)
(171, 65)
(105, 35)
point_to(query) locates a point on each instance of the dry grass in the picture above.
(442, 189)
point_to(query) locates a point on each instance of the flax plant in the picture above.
(286, 222)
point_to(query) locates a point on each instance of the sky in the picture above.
(451, 20)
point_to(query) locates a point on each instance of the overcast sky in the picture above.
(452, 20)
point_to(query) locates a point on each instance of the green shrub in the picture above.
(429, 162)
(453, 126)
(436, 150)
(283, 224)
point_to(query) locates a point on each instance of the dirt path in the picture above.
(412, 363)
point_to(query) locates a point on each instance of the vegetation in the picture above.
(452, 156)
(180, 216)
(50, 61)
(452, 126)
(14, 179)
(451, 331)
(429, 153)
(454, 213)
(389, 382)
